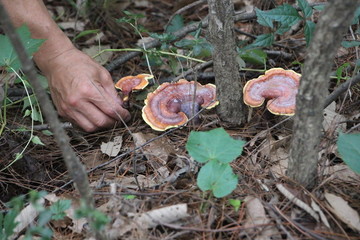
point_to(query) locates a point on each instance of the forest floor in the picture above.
(163, 174)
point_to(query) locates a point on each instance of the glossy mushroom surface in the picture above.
(132, 83)
(172, 104)
(279, 86)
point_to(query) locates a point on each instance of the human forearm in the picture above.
(41, 25)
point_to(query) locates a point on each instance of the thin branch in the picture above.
(74, 166)
(340, 89)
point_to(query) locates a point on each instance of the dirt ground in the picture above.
(162, 174)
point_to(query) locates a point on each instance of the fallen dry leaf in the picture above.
(343, 211)
(112, 148)
(155, 217)
(257, 218)
(94, 50)
(157, 152)
(332, 118)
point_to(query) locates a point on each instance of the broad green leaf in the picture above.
(349, 149)
(349, 44)
(356, 16)
(8, 57)
(285, 14)
(309, 31)
(176, 24)
(254, 56)
(215, 144)
(305, 8)
(217, 177)
(263, 40)
(263, 19)
(319, 7)
(86, 32)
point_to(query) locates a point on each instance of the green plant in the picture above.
(216, 149)
(348, 147)
(11, 63)
(99, 219)
(285, 16)
(235, 203)
(56, 211)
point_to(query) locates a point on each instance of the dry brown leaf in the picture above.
(157, 152)
(155, 217)
(256, 216)
(112, 148)
(26, 217)
(78, 26)
(331, 118)
(77, 224)
(343, 211)
(94, 50)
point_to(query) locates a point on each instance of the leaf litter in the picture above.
(162, 176)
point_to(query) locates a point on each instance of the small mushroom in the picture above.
(279, 86)
(172, 104)
(129, 84)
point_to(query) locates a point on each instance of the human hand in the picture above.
(83, 91)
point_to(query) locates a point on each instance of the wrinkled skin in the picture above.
(82, 90)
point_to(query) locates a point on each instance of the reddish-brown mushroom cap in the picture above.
(172, 104)
(279, 86)
(132, 83)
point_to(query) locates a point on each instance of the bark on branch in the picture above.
(329, 31)
(226, 68)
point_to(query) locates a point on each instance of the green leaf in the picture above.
(285, 14)
(349, 44)
(236, 203)
(305, 8)
(319, 7)
(86, 32)
(309, 31)
(47, 132)
(340, 70)
(215, 144)
(217, 177)
(263, 19)
(59, 207)
(36, 140)
(263, 40)
(176, 24)
(8, 57)
(356, 16)
(129, 197)
(254, 56)
(348, 147)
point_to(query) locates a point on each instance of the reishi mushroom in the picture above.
(129, 84)
(172, 104)
(279, 86)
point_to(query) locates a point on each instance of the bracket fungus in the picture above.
(172, 104)
(279, 86)
(129, 84)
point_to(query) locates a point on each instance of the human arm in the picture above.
(81, 89)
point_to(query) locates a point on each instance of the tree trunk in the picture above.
(310, 100)
(227, 77)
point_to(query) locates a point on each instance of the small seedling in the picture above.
(215, 148)
(236, 203)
